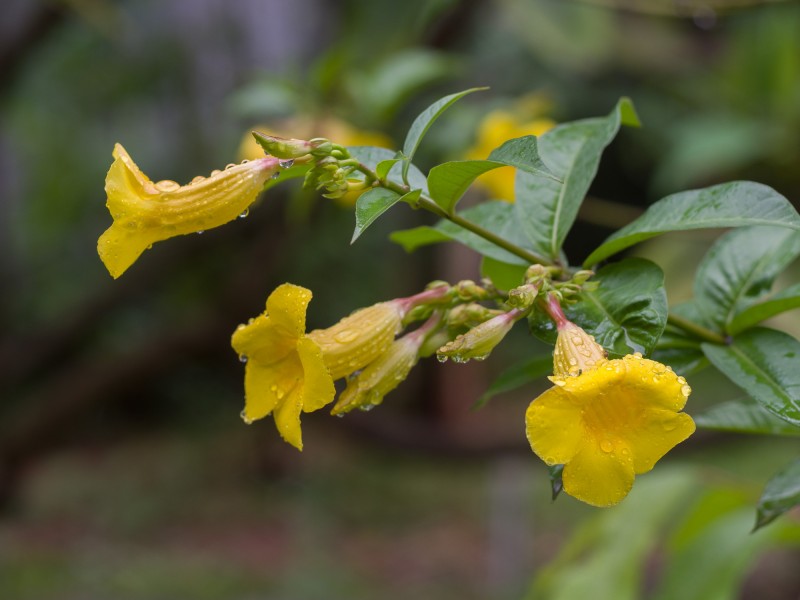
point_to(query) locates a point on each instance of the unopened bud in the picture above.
(283, 147)
(470, 315)
(479, 341)
(576, 351)
(523, 296)
(469, 290)
(582, 277)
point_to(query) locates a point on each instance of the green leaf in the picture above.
(684, 361)
(744, 416)
(448, 181)
(733, 204)
(516, 376)
(503, 275)
(788, 299)
(427, 117)
(371, 156)
(371, 205)
(626, 314)
(556, 482)
(547, 207)
(764, 362)
(496, 216)
(741, 267)
(382, 168)
(781, 493)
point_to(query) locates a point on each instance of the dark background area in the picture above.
(125, 470)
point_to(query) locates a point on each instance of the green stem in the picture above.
(431, 206)
(699, 331)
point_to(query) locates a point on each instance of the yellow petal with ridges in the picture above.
(598, 477)
(145, 212)
(261, 341)
(555, 445)
(318, 388)
(287, 418)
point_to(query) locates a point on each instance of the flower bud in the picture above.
(470, 315)
(523, 296)
(479, 341)
(283, 147)
(576, 351)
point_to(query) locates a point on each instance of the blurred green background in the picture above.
(125, 471)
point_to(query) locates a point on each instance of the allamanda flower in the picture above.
(145, 212)
(285, 372)
(605, 420)
(289, 371)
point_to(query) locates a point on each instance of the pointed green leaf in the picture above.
(733, 204)
(448, 181)
(504, 276)
(496, 216)
(516, 376)
(427, 117)
(787, 299)
(556, 482)
(763, 362)
(626, 314)
(547, 207)
(740, 268)
(372, 156)
(382, 168)
(684, 361)
(781, 493)
(371, 205)
(744, 416)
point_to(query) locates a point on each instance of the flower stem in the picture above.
(699, 331)
(553, 308)
(430, 205)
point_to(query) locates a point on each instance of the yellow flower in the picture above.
(498, 127)
(606, 420)
(285, 371)
(145, 212)
(360, 338)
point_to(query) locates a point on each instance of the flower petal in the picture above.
(287, 305)
(261, 341)
(267, 385)
(318, 389)
(661, 431)
(287, 418)
(599, 478)
(554, 426)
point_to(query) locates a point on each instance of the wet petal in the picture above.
(554, 426)
(267, 385)
(661, 431)
(287, 306)
(287, 418)
(597, 477)
(318, 388)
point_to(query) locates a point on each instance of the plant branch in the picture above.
(699, 331)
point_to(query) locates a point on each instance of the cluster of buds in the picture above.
(332, 167)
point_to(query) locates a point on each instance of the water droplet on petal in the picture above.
(244, 213)
(242, 358)
(215, 172)
(198, 179)
(200, 231)
(285, 164)
(167, 185)
(441, 358)
(559, 382)
(245, 418)
(275, 175)
(606, 446)
(229, 166)
(345, 336)
(686, 390)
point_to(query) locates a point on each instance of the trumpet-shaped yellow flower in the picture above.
(360, 338)
(606, 420)
(145, 212)
(285, 372)
(498, 127)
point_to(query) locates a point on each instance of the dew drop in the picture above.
(559, 382)
(573, 360)
(285, 164)
(681, 380)
(606, 446)
(215, 172)
(167, 185)
(273, 388)
(625, 452)
(441, 358)
(480, 358)
(280, 394)
(150, 247)
(242, 358)
(198, 179)
(200, 231)
(244, 213)
(637, 355)
(686, 390)
(229, 166)
(275, 175)
(345, 336)
(577, 340)
(245, 418)
(574, 370)
(668, 425)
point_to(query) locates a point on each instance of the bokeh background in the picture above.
(125, 471)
